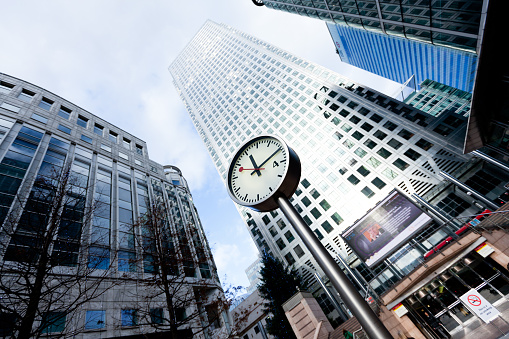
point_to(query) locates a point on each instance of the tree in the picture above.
(45, 273)
(176, 299)
(278, 283)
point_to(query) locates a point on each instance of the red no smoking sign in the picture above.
(474, 300)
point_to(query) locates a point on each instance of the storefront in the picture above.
(436, 308)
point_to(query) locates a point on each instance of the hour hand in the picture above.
(257, 171)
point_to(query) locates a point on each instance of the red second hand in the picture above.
(250, 169)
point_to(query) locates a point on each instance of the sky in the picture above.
(111, 58)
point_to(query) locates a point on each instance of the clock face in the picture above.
(257, 170)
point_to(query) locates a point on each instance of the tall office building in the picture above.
(356, 145)
(41, 134)
(451, 23)
(400, 59)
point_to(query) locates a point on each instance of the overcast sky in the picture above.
(111, 58)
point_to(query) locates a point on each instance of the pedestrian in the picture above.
(347, 334)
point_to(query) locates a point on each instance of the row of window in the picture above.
(64, 112)
(55, 321)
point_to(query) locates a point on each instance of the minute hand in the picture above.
(266, 160)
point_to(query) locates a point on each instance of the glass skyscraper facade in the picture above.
(435, 98)
(356, 145)
(399, 59)
(449, 23)
(40, 135)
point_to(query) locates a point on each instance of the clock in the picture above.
(261, 171)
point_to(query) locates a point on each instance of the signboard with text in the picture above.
(391, 223)
(480, 306)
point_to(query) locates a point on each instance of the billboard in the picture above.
(386, 227)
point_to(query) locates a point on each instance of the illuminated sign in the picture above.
(391, 223)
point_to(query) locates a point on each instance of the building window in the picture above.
(357, 135)
(39, 118)
(266, 219)
(26, 95)
(327, 227)
(325, 205)
(64, 112)
(86, 138)
(306, 201)
(281, 224)
(139, 149)
(5, 87)
(82, 121)
(10, 107)
(305, 183)
(126, 143)
(400, 164)
(384, 153)
(376, 118)
(390, 125)
(273, 231)
(46, 103)
(360, 152)
(412, 154)
(355, 119)
(314, 193)
(52, 322)
(298, 250)
(318, 234)
(316, 213)
(379, 135)
(156, 315)
(337, 136)
(98, 129)
(95, 320)
(363, 171)
(374, 162)
(367, 192)
(353, 179)
(424, 144)
(394, 143)
(378, 183)
(289, 258)
(337, 218)
(443, 130)
(106, 148)
(280, 243)
(367, 127)
(123, 155)
(113, 137)
(64, 129)
(129, 318)
(405, 134)
(389, 173)
(289, 236)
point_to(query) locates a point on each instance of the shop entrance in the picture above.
(436, 308)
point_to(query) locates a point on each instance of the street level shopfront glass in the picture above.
(436, 308)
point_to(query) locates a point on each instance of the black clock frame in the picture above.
(286, 188)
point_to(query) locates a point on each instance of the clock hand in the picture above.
(250, 169)
(266, 160)
(256, 167)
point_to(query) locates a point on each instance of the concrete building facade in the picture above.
(42, 133)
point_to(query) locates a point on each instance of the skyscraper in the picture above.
(110, 186)
(356, 145)
(399, 59)
(451, 23)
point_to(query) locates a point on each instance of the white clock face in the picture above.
(258, 170)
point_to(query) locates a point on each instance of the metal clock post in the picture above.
(263, 175)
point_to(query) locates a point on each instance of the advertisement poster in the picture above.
(385, 228)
